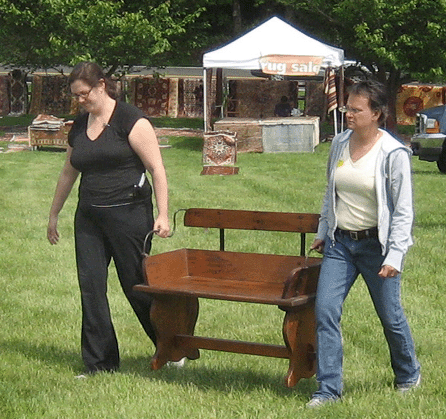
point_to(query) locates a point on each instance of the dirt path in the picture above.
(178, 132)
(6, 133)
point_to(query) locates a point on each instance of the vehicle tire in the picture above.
(441, 163)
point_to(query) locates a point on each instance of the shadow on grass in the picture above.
(168, 122)
(221, 379)
(49, 354)
(187, 143)
(434, 172)
(430, 225)
(49, 149)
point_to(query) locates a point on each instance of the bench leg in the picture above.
(172, 315)
(299, 332)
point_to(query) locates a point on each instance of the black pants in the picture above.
(102, 234)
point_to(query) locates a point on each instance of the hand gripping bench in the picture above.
(177, 279)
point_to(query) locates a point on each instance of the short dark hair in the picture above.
(92, 73)
(376, 93)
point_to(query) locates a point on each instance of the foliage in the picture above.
(396, 36)
(390, 37)
(398, 41)
(392, 34)
(50, 33)
(222, 21)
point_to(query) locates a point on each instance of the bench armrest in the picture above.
(302, 280)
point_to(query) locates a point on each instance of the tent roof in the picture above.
(274, 37)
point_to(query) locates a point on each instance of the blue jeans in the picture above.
(343, 261)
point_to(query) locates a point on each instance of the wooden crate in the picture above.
(41, 137)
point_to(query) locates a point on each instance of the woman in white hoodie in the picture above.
(365, 228)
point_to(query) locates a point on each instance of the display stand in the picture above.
(219, 153)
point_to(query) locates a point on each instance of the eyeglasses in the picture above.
(345, 109)
(82, 95)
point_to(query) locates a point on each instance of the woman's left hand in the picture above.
(162, 227)
(388, 272)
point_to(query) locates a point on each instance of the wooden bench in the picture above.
(177, 279)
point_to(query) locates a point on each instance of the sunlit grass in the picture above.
(40, 307)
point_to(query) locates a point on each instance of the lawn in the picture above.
(40, 307)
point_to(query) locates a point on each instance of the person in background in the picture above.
(365, 228)
(283, 108)
(112, 145)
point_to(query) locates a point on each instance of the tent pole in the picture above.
(341, 94)
(207, 91)
(205, 99)
(335, 118)
(219, 91)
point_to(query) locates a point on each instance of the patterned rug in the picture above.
(151, 95)
(50, 95)
(191, 94)
(412, 99)
(4, 95)
(220, 148)
(19, 96)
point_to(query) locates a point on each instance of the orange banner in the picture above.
(291, 65)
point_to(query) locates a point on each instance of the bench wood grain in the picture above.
(177, 280)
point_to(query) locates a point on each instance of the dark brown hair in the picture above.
(376, 93)
(91, 73)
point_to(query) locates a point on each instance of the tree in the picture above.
(53, 33)
(114, 33)
(396, 40)
(219, 24)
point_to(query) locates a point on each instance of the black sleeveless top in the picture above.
(110, 168)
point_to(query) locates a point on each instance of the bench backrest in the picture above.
(252, 220)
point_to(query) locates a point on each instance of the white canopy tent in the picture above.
(275, 47)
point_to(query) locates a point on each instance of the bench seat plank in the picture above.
(233, 276)
(248, 292)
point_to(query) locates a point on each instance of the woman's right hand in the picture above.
(65, 183)
(52, 234)
(318, 245)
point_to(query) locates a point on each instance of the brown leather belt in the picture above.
(360, 235)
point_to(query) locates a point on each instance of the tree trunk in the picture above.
(290, 14)
(392, 80)
(393, 84)
(237, 17)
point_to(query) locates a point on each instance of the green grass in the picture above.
(22, 120)
(167, 122)
(40, 307)
(406, 129)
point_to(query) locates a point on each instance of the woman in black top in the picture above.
(112, 145)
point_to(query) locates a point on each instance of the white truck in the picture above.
(429, 140)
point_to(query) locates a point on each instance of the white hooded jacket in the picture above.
(394, 196)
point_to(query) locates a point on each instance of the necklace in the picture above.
(92, 120)
(360, 149)
(102, 118)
